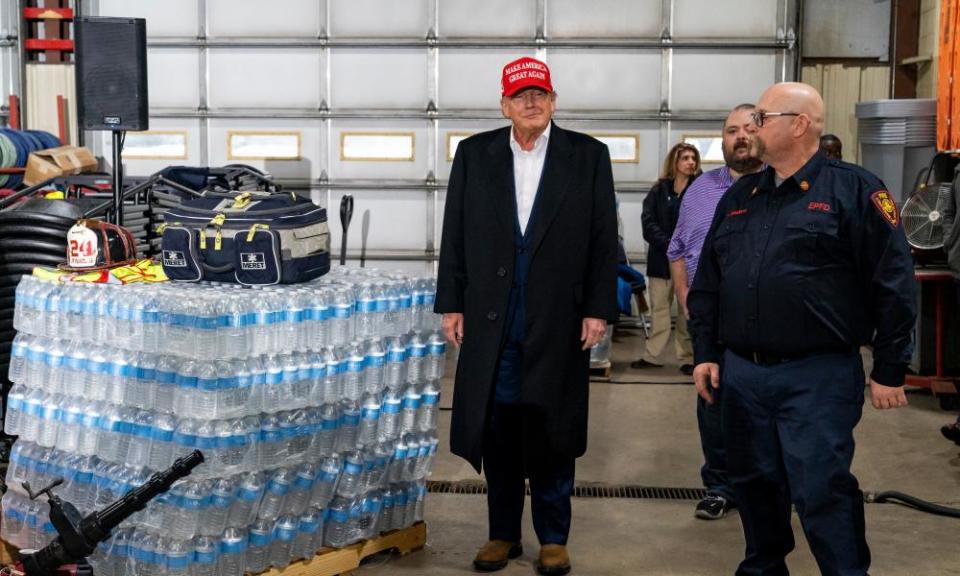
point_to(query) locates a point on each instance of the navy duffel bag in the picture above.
(248, 238)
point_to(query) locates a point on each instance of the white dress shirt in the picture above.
(527, 167)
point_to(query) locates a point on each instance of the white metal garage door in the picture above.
(369, 97)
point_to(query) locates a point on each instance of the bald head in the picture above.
(791, 129)
(795, 97)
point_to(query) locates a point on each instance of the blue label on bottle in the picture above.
(352, 468)
(91, 420)
(341, 516)
(437, 348)
(278, 488)
(290, 376)
(376, 360)
(206, 323)
(309, 526)
(356, 364)
(15, 404)
(322, 314)
(406, 301)
(207, 384)
(187, 440)
(162, 435)
(274, 377)
(165, 377)
(150, 316)
(371, 413)
(429, 298)
(287, 431)
(303, 483)
(349, 419)
(221, 501)
(383, 305)
(397, 356)
(424, 450)
(411, 402)
(260, 539)
(391, 407)
(285, 534)
(206, 442)
(366, 306)
(250, 494)
(270, 435)
(399, 453)
(329, 477)
(418, 351)
(78, 364)
(146, 374)
(186, 381)
(329, 424)
(211, 556)
(400, 499)
(342, 311)
(228, 382)
(431, 398)
(178, 562)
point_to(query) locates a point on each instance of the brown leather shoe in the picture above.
(553, 561)
(494, 555)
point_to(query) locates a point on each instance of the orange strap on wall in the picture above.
(948, 77)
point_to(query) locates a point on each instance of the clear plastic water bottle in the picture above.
(271, 442)
(337, 529)
(395, 365)
(166, 379)
(233, 552)
(349, 484)
(258, 547)
(179, 559)
(222, 495)
(389, 427)
(18, 357)
(342, 323)
(366, 309)
(299, 495)
(399, 460)
(431, 321)
(246, 504)
(416, 358)
(400, 497)
(436, 356)
(369, 419)
(353, 376)
(142, 389)
(206, 550)
(276, 492)
(13, 423)
(141, 437)
(349, 425)
(192, 505)
(375, 358)
(310, 523)
(284, 533)
(272, 394)
(162, 444)
(411, 409)
(429, 406)
(325, 484)
(89, 438)
(370, 514)
(332, 380)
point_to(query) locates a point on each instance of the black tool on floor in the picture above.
(346, 214)
(78, 537)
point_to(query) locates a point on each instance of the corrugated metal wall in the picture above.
(842, 86)
(427, 72)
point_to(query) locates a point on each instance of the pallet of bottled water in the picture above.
(315, 406)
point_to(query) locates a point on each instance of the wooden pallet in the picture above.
(336, 561)
(600, 370)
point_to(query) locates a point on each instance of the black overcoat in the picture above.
(572, 276)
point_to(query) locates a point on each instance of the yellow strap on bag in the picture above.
(218, 220)
(242, 200)
(161, 228)
(217, 239)
(203, 239)
(253, 230)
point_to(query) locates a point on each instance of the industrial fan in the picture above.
(922, 215)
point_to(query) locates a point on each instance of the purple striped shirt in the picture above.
(696, 213)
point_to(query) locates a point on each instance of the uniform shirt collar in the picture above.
(807, 173)
(538, 146)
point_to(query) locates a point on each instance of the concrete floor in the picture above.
(646, 434)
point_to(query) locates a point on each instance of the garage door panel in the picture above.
(603, 18)
(644, 166)
(276, 78)
(164, 19)
(382, 220)
(172, 78)
(631, 210)
(471, 78)
(595, 79)
(188, 127)
(379, 18)
(705, 79)
(725, 18)
(255, 18)
(379, 79)
(309, 133)
(500, 18)
(416, 168)
(451, 132)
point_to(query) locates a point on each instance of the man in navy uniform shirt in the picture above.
(804, 262)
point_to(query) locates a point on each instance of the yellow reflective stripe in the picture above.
(242, 200)
(218, 220)
(217, 239)
(161, 228)
(253, 230)
(203, 239)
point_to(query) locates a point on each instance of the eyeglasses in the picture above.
(759, 117)
(537, 96)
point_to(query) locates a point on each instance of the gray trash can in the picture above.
(897, 139)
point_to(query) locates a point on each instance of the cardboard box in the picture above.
(65, 160)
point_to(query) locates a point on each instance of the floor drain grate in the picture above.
(580, 490)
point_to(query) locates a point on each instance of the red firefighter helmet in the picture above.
(96, 245)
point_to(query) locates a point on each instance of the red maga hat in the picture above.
(523, 73)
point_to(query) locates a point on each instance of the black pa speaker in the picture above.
(111, 71)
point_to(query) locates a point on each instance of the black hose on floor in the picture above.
(912, 502)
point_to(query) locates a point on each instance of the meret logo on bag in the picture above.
(252, 261)
(82, 245)
(174, 258)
